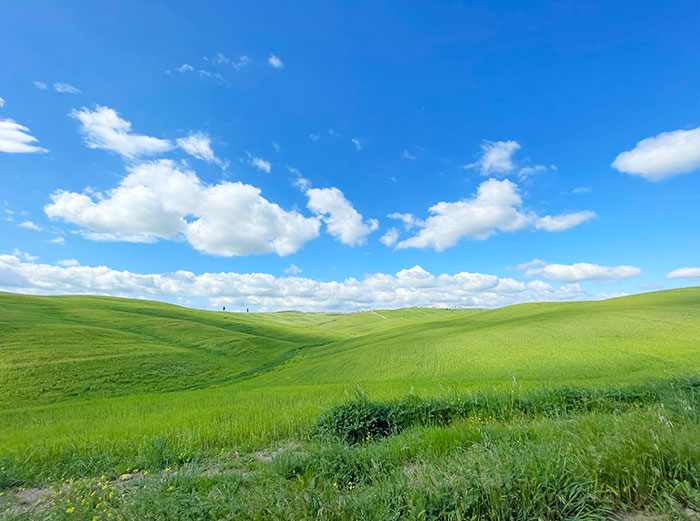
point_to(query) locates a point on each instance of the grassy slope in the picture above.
(89, 373)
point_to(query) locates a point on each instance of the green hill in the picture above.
(79, 348)
(89, 383)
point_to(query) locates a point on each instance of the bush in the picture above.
(362, 420)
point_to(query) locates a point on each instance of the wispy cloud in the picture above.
(260, 164)
(30, 226)
(406, 155)
(66, 88)
(293, 270)
(198, 144)
(40, 85)
(275, 62)
(104, 128)
(357, 143)
(15, 139)
(496, 157)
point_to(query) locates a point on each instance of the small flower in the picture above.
(70, 510)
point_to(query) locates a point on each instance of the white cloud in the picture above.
(23, 255)
(409, 287)
(685, 273)
(198, 145)
(293, 270)
(15, 139)
(559, 223)
(221, 59)
(409, 220)
(40, 85)
(342, 220)
(159, 200)
(578, 272)
(582, 190)
(261, 164)
(104, 128)
(356, 142)
(299, 181)
(67, 263)
(314, 137)
(30, 226)
(65, 88)
(390, 237)
(2, 102)
(528, 171)
(275, 61)
(406, 155)
(58, 240)
(496, 207)
(185, 67)
(663, 156)
(242, 62)
(496, 157)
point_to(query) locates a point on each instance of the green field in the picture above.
(95, 386)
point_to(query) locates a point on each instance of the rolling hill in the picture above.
(93, 383)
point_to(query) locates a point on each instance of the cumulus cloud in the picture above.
(275, 61)
(342, 220)
(663, 156)
(40, 85)
(30, 226)
(15, 139)
(104, 128)
(578, 272)
(198, 145)
(684, 273)
(496, 207)
(496, 157)
(408, 287)
(161, 200)
(390, 237)
(66, 88)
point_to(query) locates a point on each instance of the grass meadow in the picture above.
(124, 409)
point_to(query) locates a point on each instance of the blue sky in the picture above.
(251, 154)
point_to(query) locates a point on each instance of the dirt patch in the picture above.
(29, 499)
